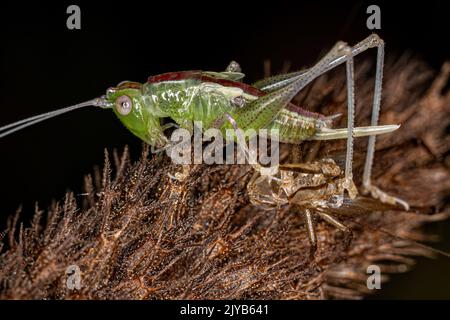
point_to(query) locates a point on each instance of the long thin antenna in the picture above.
(21, 124)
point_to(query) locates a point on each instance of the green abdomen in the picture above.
(293, 127)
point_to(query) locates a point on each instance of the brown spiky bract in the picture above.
(139, 234)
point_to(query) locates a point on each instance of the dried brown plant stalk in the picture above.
(142, 235)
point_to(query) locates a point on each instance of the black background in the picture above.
(45, 66)
(280, 309)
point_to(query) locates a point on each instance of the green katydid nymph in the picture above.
(221, 100)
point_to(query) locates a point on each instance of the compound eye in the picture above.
(124, 105)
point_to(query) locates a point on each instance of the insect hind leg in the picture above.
(371, 41)
(367, 187)
(348, 181)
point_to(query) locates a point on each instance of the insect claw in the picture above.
(384, 197)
